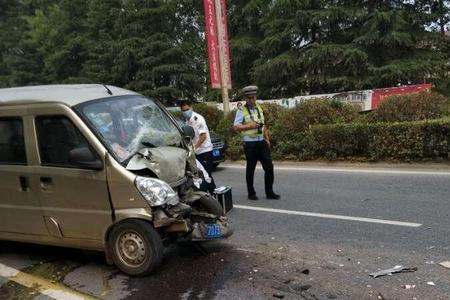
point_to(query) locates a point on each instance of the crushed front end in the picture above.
(186, 212)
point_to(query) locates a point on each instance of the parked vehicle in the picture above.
(99, 167)
(217, 142)
(218, 149)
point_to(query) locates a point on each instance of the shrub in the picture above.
(224, 127)
(300, 134)
(340, 140)
(411, 140)
(318, 111)
(412, 107)
(235, 149)
(398, 141)
(233, 144)
(274, 114)
(293, 147)
(211, 114)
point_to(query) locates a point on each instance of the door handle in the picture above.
(24, 186)
(46, 183)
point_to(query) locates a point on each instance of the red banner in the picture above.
(212, 41)
(226, 47)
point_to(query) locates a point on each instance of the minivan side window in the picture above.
(12, 143)
(57, 137)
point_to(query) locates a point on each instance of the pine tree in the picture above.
(152, 57)
(8, 14)
(102, 40)
(244, 22)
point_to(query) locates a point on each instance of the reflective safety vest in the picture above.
(253, 116)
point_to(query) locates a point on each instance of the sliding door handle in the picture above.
(24, 185)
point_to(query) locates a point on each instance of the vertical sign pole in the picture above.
(223, 73)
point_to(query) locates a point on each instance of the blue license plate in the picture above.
(213, 231)
(216, 152)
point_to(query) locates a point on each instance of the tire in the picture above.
(148, 249)
(211, 205)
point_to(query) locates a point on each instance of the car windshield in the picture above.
(128, 124)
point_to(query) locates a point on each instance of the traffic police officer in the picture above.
(202, 141)
(249, 121)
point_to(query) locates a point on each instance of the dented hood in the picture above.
(168, 163)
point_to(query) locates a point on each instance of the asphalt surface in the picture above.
(301, 248)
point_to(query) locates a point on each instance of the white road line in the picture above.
(328, 216)
(347, 170)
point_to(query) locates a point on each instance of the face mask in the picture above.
(187, 114)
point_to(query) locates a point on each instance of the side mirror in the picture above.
(188, 131)
(83, 157)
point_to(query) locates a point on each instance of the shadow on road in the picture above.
(188, 271)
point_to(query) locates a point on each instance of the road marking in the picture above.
(328, 216)
(42, 285)
(346, 170)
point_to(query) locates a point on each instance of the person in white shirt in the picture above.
(202, 140)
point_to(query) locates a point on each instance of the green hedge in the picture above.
(382, 141)
(412, 107)
(211, 114)
(324, 129)
(318, 111)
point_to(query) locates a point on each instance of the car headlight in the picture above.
(156, 192)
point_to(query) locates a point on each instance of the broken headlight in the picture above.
(156, 191)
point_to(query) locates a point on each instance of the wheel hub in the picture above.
(131, 248)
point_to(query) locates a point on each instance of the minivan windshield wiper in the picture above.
(148, 145)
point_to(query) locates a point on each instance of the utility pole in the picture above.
(223, 64)
(218, 48)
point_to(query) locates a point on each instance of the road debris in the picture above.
(300, 287)
(278, 295)
(303, 271)
(380, 296)
(396, 269)
(409, 286)
(445, 264)
(431, 283)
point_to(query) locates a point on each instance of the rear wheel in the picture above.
(136, 247)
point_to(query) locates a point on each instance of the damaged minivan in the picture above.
(100, 167)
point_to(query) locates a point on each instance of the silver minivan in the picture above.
(100, 167)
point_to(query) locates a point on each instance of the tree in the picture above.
(246, 34)
(287, 47)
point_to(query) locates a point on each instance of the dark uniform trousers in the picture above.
(254, 152)
(206, 159)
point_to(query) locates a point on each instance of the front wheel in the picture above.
(136, 247)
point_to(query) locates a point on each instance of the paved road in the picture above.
(331, 228)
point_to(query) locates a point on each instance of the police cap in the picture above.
(250, 90)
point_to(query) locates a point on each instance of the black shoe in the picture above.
(253, 197)
(273, 196)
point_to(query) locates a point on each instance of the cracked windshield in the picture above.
(129, 124)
